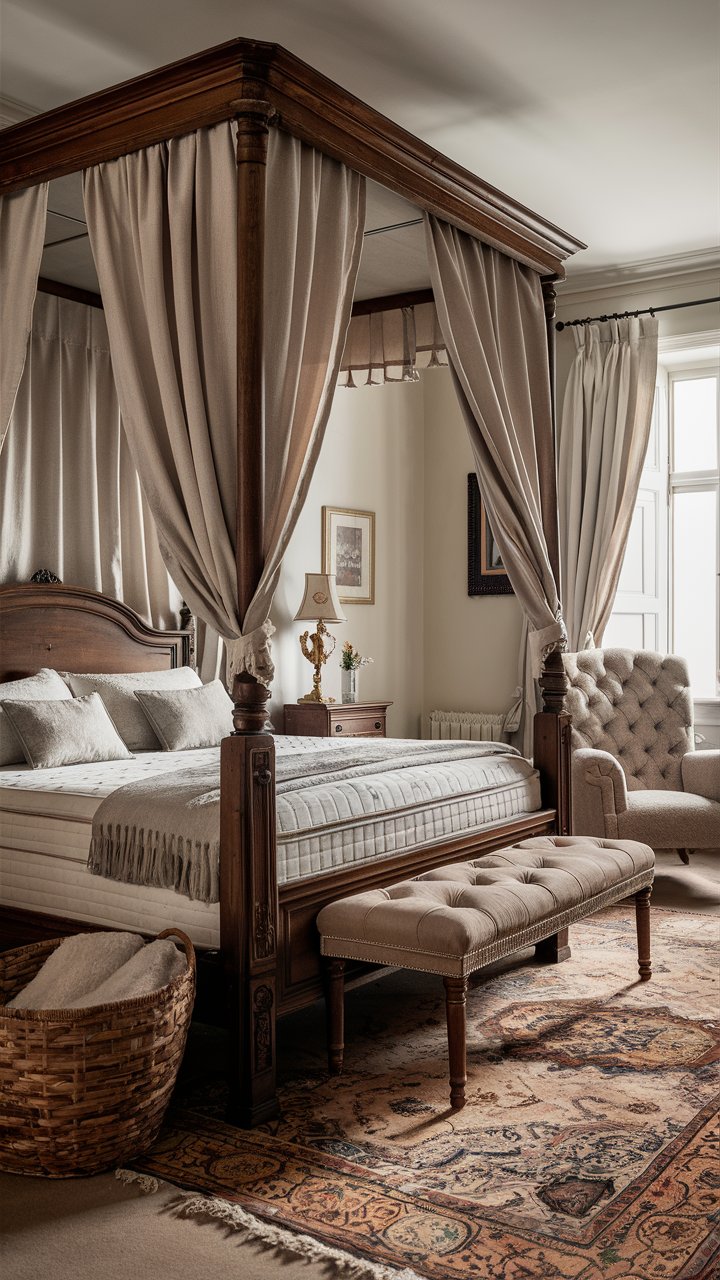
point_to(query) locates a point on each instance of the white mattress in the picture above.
(46, 820)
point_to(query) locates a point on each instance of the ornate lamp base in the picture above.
(317, 695)
(317, 654)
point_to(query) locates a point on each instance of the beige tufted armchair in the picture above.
(636, 774)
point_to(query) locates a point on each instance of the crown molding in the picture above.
(673, 272)
(708, 340)
(12, 111)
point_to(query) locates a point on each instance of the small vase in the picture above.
(349, 684)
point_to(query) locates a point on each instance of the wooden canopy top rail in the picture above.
(228, 81)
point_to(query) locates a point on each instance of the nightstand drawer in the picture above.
(350, 726)
(337, 719)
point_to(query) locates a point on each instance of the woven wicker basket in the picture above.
(85, 1089)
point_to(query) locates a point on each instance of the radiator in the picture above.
(478, 726)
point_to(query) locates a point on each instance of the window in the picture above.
(668, 597)
(693, 498)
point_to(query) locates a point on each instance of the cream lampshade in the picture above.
(319, 604)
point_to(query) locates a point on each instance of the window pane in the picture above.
(695, 424)
(695, 587)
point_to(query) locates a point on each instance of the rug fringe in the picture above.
(145, 1181)
(280, 1238)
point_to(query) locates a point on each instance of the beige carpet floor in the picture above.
(98, 1229)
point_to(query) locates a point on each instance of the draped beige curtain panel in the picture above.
(492, 317)
(22, 232)
(162, 225)
(391, 346)
(70, 499)
(602, 441)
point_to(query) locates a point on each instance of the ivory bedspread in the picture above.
(165, 831)
(46, 817)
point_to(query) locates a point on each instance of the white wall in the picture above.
(372, 459)
(471, 642)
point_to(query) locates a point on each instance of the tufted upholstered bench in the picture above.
(456, 919)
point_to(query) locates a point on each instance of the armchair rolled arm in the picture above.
(700, 771)
(599, 793)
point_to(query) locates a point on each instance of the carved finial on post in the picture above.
(250, 699)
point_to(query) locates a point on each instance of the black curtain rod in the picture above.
(625, 315)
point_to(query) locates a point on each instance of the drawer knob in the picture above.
(338, 728)
(378, 724)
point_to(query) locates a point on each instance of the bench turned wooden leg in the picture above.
(455, 1005)
(554, 949)
(642, 922)
(335, 1011)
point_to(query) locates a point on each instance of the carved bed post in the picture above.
(552, 724)
(248, 887)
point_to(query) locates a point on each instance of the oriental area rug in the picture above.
(587, 1149)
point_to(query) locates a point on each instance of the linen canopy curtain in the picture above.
(602, 441)
(22, 231)
(390, 346)
(163, 228)
(492, 317)
(70, 499)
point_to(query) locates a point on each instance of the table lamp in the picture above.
(320, 604)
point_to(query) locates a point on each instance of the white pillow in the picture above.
(46, 686)
(76, 731)
(118, 694)
(187, 718)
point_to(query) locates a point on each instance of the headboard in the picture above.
(71, 629)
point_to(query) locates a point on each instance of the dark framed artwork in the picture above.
(486, 572)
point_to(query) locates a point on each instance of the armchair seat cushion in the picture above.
(671, 820)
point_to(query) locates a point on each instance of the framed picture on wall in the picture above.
(349, 553)
(486, 571)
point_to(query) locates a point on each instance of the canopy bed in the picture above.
(225, 197)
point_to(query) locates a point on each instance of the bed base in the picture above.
(298, 979)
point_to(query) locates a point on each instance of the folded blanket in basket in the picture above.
(100, 968)
(151, 968)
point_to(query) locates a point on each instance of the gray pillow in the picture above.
(78, 731)
(46, 686)
(188, 718)
(117, 692)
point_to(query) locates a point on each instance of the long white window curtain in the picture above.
(22, 231)
(162, 226)
(492, 317)
(603, 438)
(70, 500)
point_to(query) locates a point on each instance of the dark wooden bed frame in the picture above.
(268, 941)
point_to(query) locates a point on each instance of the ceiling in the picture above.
(392, 262)
(604, 117)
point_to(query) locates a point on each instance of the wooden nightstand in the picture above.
(336, 719)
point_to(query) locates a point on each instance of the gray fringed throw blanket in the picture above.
(164, 831)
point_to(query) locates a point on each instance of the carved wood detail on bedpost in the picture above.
(552, 732)
(248, 885)
(248, 921)
(552, 728)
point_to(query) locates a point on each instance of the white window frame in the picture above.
(681, 356)
(691, 482)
